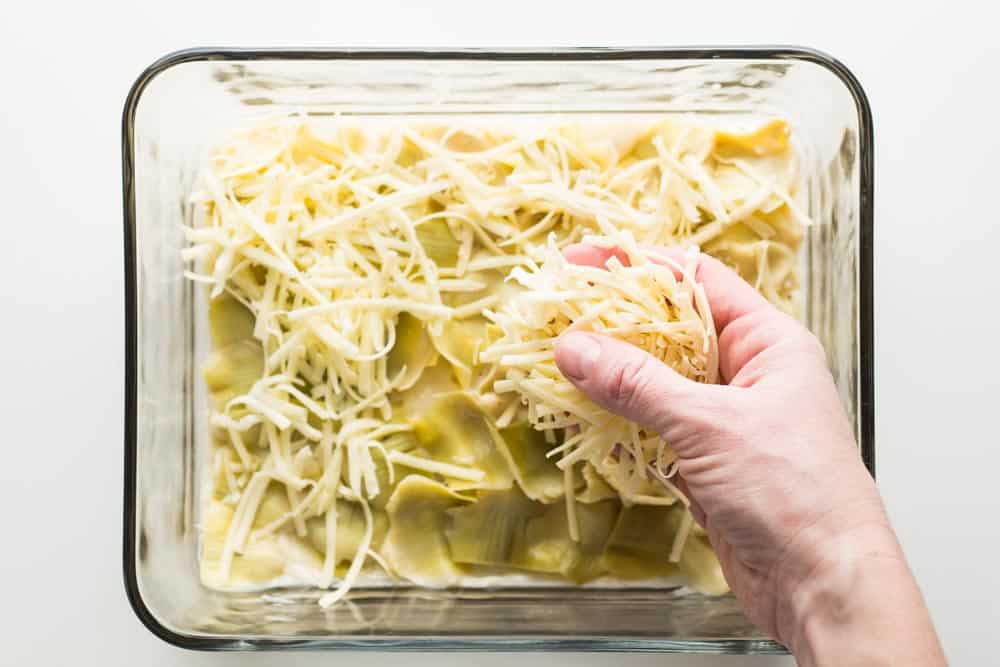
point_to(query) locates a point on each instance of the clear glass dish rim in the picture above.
(866, 404)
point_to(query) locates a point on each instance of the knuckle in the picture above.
(708, 263)
(628, 381)
(808, 343)
(814, 344)
(709, 422)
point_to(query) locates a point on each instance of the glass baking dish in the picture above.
(188, 99)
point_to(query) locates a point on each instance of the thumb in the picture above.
(632, 383)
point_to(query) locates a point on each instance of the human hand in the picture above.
(769, 462)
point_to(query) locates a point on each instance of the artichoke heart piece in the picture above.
(680, 138)
(595, 487)
(463, 338)
(438, 242)
(507, 529)
(738, 246)
(237, 361)
(767, 265)
(454, 429)
(260, 561)
(787, 229)
(309, 146)
(232, 370)
(524, 450)
(350, 530)
(493, 283)
(487, 531)
(701, 567)
(769, 139)
(412, 352)
(409, 154)
(399, 473)
(214, 524)
(639, 545)
(416, 544)
(460, 342)
(273, 506)
(229, 321)
(435, 381)
(547, 546)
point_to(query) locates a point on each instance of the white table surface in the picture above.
(931, 73)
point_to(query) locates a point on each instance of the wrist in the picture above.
(857, 604)
(827, 598)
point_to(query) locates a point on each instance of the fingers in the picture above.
(729, 296)
(625, 380)
(745, 322)
(588, 255)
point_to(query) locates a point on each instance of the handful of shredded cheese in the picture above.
(642, 303)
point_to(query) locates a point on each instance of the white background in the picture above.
(929, 68)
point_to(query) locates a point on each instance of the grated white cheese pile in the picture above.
(642, 302)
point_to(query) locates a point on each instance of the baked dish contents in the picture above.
(383, 305)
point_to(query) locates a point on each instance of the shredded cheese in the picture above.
(680, 538)
(649, 294)
(437, 467)
(328, 239)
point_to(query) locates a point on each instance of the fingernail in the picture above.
(582, 352)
